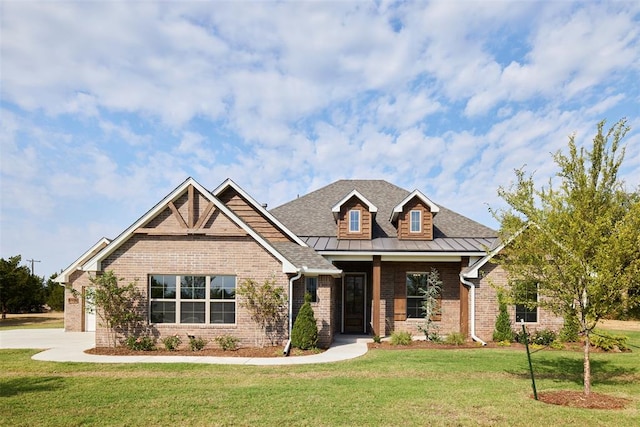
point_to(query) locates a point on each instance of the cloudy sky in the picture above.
(108, 106)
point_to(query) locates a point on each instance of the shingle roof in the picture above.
(310, 215)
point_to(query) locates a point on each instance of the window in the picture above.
(415, 219)
(417, 287)
(311, 287)
(192, 299)
(527, 306)
(354, 221)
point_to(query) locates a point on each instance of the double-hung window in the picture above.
(527, 302)
(311, 287)
(354, 221)
(417, 290)
(415, 221)
(192, 299)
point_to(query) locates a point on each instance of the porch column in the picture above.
(375, 310)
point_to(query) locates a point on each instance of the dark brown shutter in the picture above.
(400, 300)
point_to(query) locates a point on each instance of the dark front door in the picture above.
(355, 289)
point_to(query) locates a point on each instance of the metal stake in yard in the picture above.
(526, 344)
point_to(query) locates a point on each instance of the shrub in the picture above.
(571, 327)
(543, 337)
(227, 342)
(401, 338)
(304, 334)
(502, 331)
(172, 342)
(608, 342)
(455, 338)
(377, 339)
(519, 337)
(140, 343)
(196, 343)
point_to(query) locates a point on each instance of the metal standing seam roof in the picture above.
(310, 217)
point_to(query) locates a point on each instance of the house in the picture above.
(360, 248)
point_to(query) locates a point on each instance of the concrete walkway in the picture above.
(64, 346)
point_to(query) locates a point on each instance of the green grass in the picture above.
(33, 321)
(408, 387)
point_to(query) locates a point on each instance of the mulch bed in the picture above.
(216, 352)
(577, 399)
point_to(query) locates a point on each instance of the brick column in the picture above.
(377, 263)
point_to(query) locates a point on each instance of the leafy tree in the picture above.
(430, 305)
(304, 334)
(54, 294)
(267, 305)
(577, 238)
(20, 291)
(503, 330)
(118, 307)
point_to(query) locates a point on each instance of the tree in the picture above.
(266, 304)
(54, 293)
(20, 291)
(577, 239)
(118, 307)
(430, 287)
(304, 334)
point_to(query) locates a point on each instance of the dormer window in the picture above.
(415, 221)
(354, 221)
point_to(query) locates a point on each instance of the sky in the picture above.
(107, 106)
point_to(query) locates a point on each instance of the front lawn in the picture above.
(385, 387)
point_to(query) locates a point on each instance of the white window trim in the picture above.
(178, 300)
(419, 212)
(359, 220)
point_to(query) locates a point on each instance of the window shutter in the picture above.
(400, 301)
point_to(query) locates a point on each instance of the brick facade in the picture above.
(144, 255)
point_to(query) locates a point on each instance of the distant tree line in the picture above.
(23, 292)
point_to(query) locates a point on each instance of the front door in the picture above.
(354, 297)
(89, 309)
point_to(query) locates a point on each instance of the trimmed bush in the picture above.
(304, 334)
(401, 338)
(227, 342)
(171, 343)
(455, 338)
(140, 343)
(197, 343)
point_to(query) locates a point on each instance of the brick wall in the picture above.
(74, 308)
(143, 255)
(394, 276)
(323, 308)
(492, 276)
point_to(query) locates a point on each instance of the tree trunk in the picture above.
(587, 365)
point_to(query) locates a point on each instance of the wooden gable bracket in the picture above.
(188, 227)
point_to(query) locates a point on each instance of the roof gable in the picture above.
(354, 193)
(397, 210)
(229, 184)
(190, 225)
(77, 264)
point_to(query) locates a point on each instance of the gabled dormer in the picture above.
(355, 216)
(413, 217)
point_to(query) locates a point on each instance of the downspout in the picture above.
(287, 347)
(472, 309)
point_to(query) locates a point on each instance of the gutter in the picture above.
(287, 347)
(472, 306)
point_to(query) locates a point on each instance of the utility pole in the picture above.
(32, 261)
